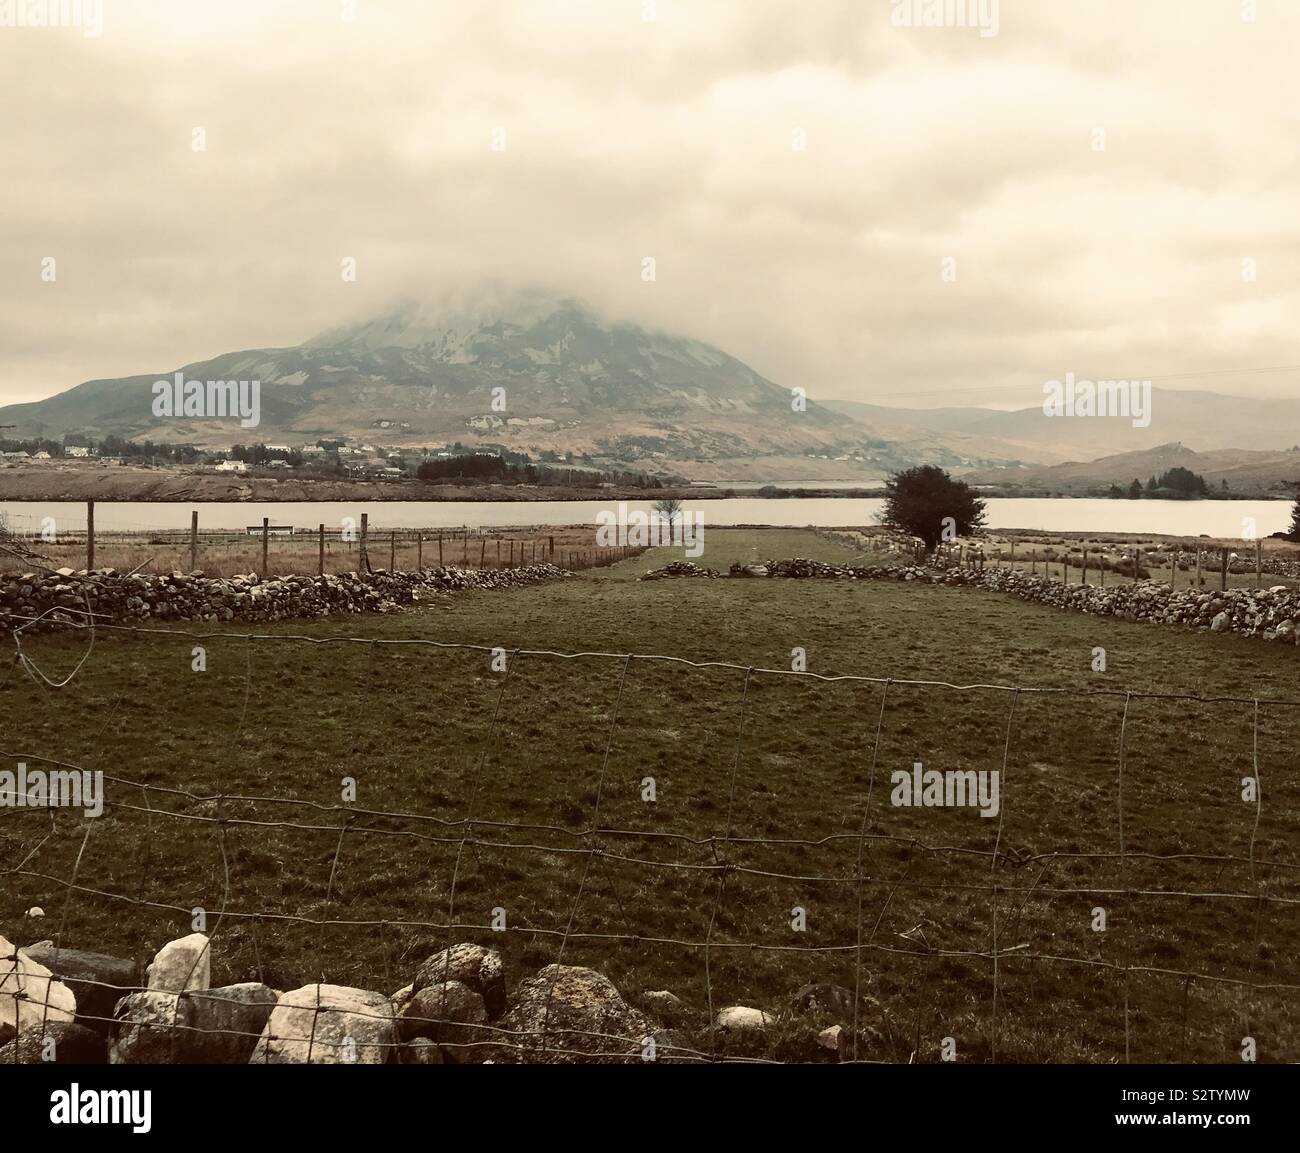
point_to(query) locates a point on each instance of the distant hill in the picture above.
(1247, 472)
(1201, 420)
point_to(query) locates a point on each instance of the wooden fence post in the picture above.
(1198, 566)
(440, 564)
(194, 540)
(364, 564)
(266, 537)
(321, 538)
(1259, 563)
(1083, 576)
(1223, 569)
(419, 552)
(392, 552)
(482, 553)
(1137, 563)
(90, 534)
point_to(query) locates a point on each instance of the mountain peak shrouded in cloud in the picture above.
(799, 181)
(529, 371)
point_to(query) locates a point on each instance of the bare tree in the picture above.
(669, 507)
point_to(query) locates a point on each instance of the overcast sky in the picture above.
(672, 138)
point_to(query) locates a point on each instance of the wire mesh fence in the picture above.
(342, 806)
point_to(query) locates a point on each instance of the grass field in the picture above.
(535, 757)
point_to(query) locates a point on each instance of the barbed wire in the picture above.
(589, 844)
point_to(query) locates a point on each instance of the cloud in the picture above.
(672, 138)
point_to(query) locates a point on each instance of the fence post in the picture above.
(321, 566)
(1259, 563)
(1198, 566)
(1137, 563)
(1223, 569)
(1083, 576)
(512, 552)
(440, 564)
(498, 553)
(552, 540)
(467, 548)
(1033, 562)
(364, 562)
(392, 551)
(419, 552)
(90, 534)
(266, 537)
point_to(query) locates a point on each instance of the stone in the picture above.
(327, 1025)
(421, 1051)
(29, 994)
(668, 1006)
(567, 1014)
(182, 965)
(741, 1017)
(474, 965)
(834, 1001)
(834, 1038)
(226, 1023)
(150, 1028)
(1219, 623)
(57, 1043)
(448, 1014)
(97, 980)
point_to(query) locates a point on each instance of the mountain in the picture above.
(1247, 472)
(571, 383)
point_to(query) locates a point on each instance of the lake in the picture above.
(1180, 518)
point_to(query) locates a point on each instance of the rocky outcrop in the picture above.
(449, 1014)
(567, 1014)
(136, 597)
(475, 966)
(29, 994)
(97, 980)
(55, 1043)
(328, 1025)
(226, 1023)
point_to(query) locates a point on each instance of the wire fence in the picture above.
(702, 902)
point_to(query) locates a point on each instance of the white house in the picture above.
(232, 466)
